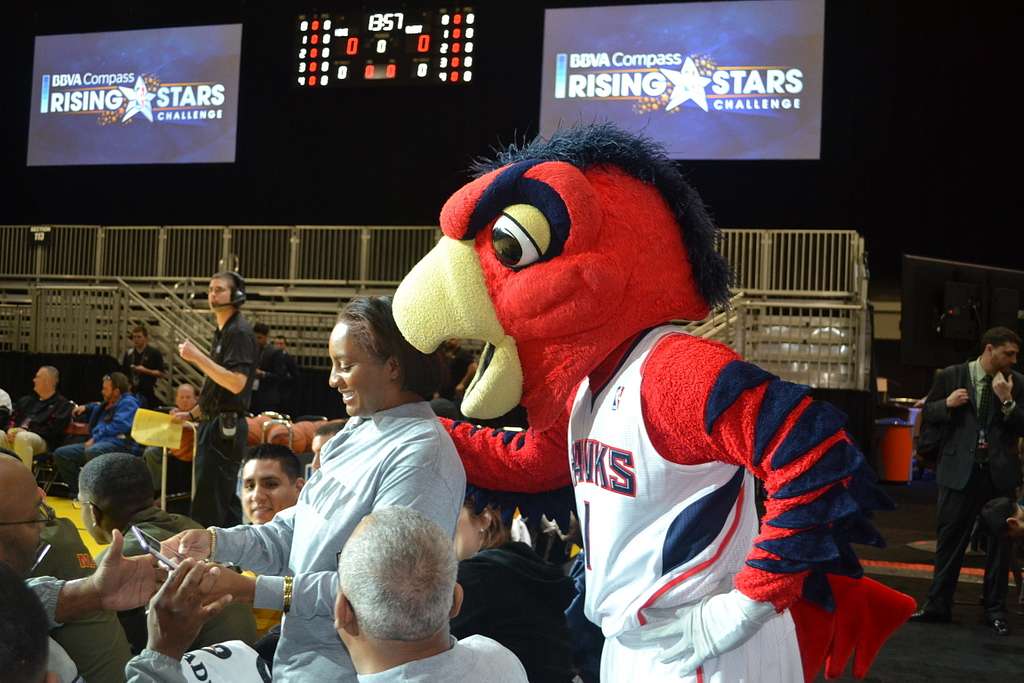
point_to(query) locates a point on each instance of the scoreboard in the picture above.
(396, 46)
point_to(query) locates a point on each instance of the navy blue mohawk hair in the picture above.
(585, 146)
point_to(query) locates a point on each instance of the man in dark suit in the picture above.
(978, 411)
(271, 373)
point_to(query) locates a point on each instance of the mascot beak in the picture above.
(445, 296)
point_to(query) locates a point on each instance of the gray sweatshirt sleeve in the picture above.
(153, 667)
(263, 548)
(47, 589)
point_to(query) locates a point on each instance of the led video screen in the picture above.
(153, 96)
(709, 80)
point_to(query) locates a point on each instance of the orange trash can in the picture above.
(897, 446)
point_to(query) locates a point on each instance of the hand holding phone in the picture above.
(152, 546)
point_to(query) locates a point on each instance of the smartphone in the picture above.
(152, 546)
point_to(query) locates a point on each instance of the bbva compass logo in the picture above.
(128, 97)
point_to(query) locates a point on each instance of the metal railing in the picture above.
(168, 321)
(801, 314)
(808, 263)
(825, 264)
(353, 256)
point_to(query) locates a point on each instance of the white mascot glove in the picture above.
(709, 627)
(520, 532)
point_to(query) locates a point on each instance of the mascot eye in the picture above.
(520, 236)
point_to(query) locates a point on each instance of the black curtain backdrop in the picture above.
(81, 377)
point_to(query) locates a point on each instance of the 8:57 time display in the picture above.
(422, 46)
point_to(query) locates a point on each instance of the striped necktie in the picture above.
(985, 402)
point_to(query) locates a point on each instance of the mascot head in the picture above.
(558, 252)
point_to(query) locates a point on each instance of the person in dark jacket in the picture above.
(144, 365)
(288, 388)
(272, 374)
(39, 420)
(977, 410)
(512, 595)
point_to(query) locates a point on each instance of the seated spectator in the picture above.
(396, 594)
(5, 408)
(461, 368)
(443, 407)
(24, 645)
(38, 420)
(118, 583)
(110, 426)
(115, 493)
(271, 481)
(185, 399)
(144, 365)
(325, 431)
(512, 595)
(96, 642)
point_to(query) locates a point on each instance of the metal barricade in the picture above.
(821, 344)
(76, 319)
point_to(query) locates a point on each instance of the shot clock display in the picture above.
(400, 46)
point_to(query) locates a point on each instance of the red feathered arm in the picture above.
(702, 403)
(529, 461)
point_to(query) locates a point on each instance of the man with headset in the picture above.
(223, 403)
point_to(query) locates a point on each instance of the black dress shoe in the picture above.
(1000, 627)
(925, 617)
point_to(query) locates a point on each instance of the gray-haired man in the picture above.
(397, 591)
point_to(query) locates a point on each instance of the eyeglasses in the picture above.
(48, 517)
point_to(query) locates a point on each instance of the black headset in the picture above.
(238, 295)
(237, 286)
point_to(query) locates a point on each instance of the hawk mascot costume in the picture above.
(569, 257)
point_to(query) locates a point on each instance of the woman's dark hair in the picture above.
(372, 324)
(495, 534)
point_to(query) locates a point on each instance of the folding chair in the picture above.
(45, 471)
(183, 495)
